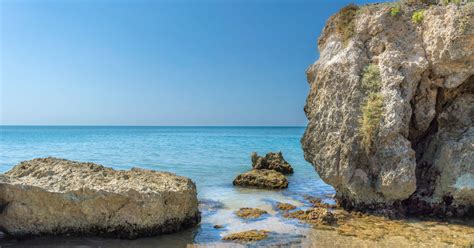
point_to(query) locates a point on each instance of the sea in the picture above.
(211, 156)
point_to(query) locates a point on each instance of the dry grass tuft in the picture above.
(344, 22)
(372, 109)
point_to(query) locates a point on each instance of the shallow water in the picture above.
(212, 157)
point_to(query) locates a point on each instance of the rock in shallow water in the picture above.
(271, 161)
(269, 179)
(250, 213)
(247, 236)
(57, 196)
(314, 215)
(285, 206)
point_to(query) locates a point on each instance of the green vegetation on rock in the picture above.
(345, 25)
(372, 109)
(371, 78)
(418, 2)
(446, 2)
(395, 10)
(418, 16)
(372, 112)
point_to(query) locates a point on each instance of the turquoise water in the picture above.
(210, 156)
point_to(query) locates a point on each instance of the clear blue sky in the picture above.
(158, 62)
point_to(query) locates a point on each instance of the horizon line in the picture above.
(120, 125)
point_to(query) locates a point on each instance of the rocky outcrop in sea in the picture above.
(271, 161)
(391, 108)
(51, 196)
(268, 172)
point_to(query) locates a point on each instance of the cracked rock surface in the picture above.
(57, 196)
(422, 157)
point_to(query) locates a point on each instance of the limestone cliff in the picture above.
(391, 108)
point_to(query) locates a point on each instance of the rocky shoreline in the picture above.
(321, 215)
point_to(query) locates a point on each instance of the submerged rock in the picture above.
(391, 108)
(269, 179)
(318, 202)
(314, 215)
(285, 206)
(271, 161)
(249, 213)
(57, 196)
(247, 236)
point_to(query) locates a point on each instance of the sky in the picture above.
(210, 62)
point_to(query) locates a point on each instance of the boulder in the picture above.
(51, 196)
(269, 179)
(271, 161)
(391, 110)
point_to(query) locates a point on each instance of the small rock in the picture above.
(262, 179)
(271, 161)
(314, 215)
(247, 236)
(285, 206)
(318, 202)
(218, 226)
(323, 215)
(248, 213)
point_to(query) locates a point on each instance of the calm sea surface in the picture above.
(210, 156)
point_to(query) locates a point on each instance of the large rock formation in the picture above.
(391, 108)
(57, 196)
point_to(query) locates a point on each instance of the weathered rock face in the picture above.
(391, 109)
(57, 196)
(269, 179)
(271, 161)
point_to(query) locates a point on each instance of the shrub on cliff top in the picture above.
(446, 2)
(418, 2)
(418, 16)
(344, 22)
(395, 10)
(372, 109)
